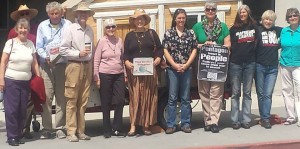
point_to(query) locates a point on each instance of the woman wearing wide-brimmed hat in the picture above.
(141, 43)
(26, 13)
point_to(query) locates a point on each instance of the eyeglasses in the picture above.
(294, 15)
(210, 9)
(24, 14)
(109, 27)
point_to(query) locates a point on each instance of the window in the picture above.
(191, 21)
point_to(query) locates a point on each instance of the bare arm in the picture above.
(3, 64)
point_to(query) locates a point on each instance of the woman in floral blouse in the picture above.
(180, 50)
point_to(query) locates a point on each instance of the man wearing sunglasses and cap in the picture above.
(28, 14)
(77, 47)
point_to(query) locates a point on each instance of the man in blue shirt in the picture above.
(52, 68)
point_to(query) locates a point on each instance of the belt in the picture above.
(81, 62)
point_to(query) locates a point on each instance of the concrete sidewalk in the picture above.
(280, 136)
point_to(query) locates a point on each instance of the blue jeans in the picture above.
(241, 73)
(265, 81)
(179, 88)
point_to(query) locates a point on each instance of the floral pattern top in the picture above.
(180, 48)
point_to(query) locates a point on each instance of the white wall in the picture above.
(280, 9)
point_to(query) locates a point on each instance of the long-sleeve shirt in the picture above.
(290, 43)
(243, 44)
(134, 49)
(49, 36)
(108, 57)
(75, 38)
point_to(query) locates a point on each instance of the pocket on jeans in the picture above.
(70, 89)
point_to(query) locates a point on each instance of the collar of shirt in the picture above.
(61, 23)
(297, 30)
(78, 27)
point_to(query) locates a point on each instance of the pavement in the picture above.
(257, 137)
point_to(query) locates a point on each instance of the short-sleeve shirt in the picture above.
(290, 43)
(202, 38)
(180, 48)
(20, 59)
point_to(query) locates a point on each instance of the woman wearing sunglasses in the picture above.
(109, 78)
(211, 31)
(290, 63)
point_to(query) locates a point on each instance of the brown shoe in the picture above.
(83, 137)
(186, 129)
(170, 130)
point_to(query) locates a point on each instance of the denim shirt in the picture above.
(47, 35)
(290, 43)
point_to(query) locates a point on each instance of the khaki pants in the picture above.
(211, 95)
(54, 79)
(77, 91)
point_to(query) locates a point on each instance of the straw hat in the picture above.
(83, 6)
(17, 14)
(139, 12)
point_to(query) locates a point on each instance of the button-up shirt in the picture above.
(75, 38)
(290, 43)
(48, 36)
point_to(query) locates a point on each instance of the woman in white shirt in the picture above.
(17, 64)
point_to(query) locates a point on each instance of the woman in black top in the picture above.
(141, 43)
(243, 35)
(266, 64)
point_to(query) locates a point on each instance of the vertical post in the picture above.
(99, 28)
(153, 22)
(161, 21)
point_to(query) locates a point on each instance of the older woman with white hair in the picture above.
(266, 65)
(211, 31)
(109, 78)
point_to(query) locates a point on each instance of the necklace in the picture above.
(115, 45)
(139, 39)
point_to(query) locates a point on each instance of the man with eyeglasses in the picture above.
(25, 12)
(52, 68)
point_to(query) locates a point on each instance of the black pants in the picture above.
(112, 91)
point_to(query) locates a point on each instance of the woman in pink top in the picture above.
(109, 77)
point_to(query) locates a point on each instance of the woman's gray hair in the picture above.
(269, 14)
(22, 22)
(291, 11)
(210, 5)
(53, 5)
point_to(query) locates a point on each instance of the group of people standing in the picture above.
(110, 64)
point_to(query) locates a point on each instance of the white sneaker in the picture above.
(60, 134)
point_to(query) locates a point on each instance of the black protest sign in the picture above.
(213, 63)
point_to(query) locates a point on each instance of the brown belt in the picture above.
(82, 62)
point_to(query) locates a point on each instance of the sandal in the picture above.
(289, 122)
(131, 133)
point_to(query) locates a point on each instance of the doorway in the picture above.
(258, 7)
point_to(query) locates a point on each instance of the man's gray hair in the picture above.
(53, 5)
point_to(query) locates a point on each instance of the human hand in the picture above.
(98, 83)
(128, 64)
(2, 85)
(156, 61)
(84, 53)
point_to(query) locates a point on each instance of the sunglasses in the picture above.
(294, 15)
(210, 9)
(109, 27)
(24, 13)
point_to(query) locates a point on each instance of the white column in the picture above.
(161, 21)
(99, 28)
(240, 3)
(153, 22)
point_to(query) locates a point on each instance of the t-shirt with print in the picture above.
(20, 59)
(180, 48)
(243, 42)
(268, 45)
